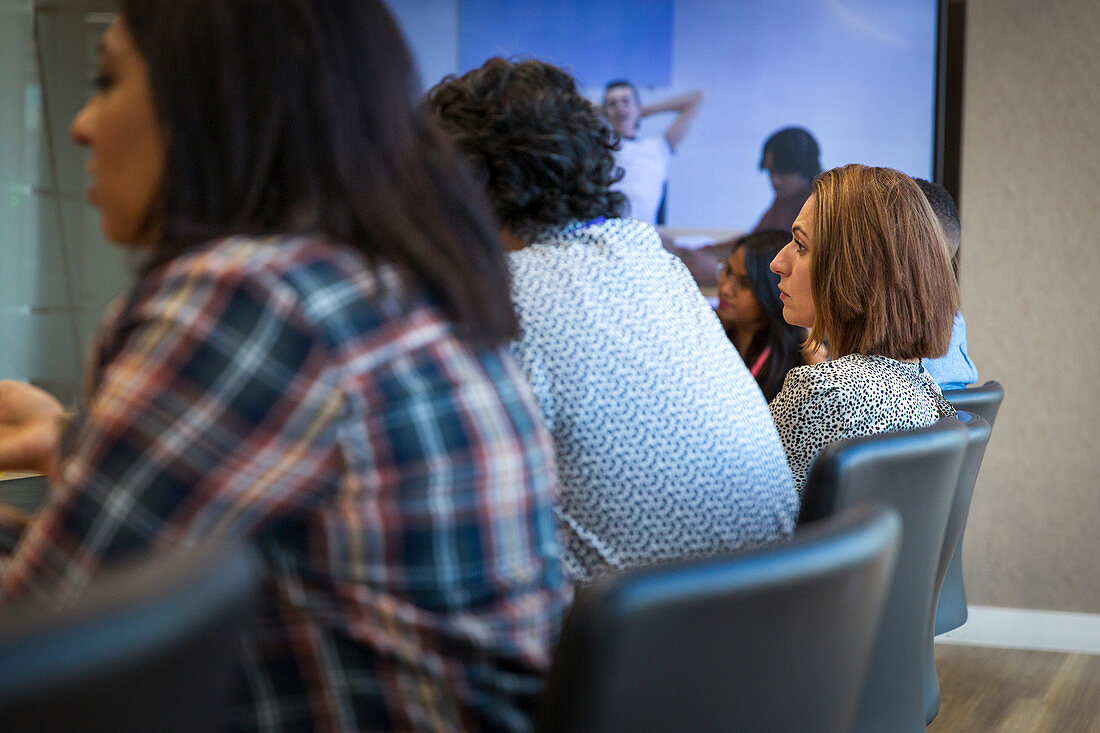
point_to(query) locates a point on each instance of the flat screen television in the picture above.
(875, 82)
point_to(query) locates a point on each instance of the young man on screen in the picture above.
(645, 160)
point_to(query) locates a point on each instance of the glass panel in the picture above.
(21, 145)
(57, 273)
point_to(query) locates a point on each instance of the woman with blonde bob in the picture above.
(868, 272)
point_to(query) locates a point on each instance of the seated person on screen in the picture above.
(750, 309)
(867, 270)
(791, 158)
(953, 370)
(665, 447)
(645, 160)
(314, 361)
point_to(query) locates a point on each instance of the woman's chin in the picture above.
(793, 319)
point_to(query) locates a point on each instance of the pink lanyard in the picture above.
(756, 367)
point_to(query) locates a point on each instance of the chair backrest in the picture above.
(977, 438)
(984, 400)
(917, 473)
(775, 638)
(151, 645)
(951, 612)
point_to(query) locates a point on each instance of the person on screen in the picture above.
(953, 370)
(867, 269)
(314, 361)
(664, 444)
(645, 160)
(792, 159)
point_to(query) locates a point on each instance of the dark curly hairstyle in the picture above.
(544, 151)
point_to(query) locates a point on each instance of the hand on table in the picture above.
(30, 427)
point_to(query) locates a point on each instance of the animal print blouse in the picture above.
(849, 397)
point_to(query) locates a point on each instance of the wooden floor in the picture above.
(1016, 691)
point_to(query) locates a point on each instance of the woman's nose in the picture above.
(776, 265)
(80, 129)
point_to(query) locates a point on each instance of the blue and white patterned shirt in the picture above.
(664, 443)
(397, 480)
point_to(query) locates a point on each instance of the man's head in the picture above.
(792, 159)
(945, 209)
(622, 106)
(543, 150)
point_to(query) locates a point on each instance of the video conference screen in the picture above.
(860, 75)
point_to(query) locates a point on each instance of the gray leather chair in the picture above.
(917, 473)
(150, 646)
(773, 639)
(951, 608)
(977, 430)
(984, 400)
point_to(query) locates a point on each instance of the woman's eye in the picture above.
(102, 81)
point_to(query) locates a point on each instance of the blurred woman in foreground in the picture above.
(312, 360)
(868, 271)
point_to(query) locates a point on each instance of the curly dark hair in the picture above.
(543, 150)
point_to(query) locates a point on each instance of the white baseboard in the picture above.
(1020, 628)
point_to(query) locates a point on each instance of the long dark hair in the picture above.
(300, 117)
(784, 339)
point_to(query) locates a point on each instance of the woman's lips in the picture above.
(90, 191)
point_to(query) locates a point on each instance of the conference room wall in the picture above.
(1030, 269)
(1030, 273)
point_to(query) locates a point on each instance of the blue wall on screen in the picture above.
(859, 74)
(596, 39)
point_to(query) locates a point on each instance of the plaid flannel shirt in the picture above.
(396, 479)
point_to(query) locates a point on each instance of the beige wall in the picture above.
(1031, 272)
(1031, 296)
